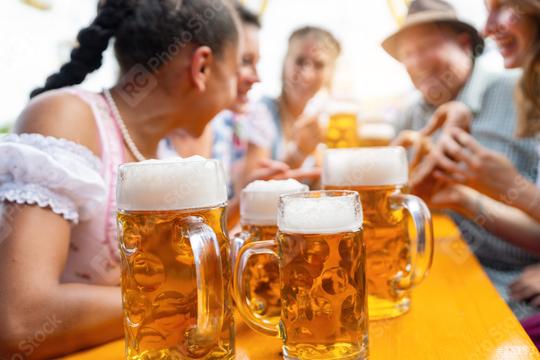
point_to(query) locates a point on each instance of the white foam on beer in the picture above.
(383, 131)
(260, 199)
(172, 184)
(378, 166)
(324, 215)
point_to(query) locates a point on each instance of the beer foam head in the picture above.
(365, 167)
(172, 184)
(260, 199)
(319, 212)
(377, 130)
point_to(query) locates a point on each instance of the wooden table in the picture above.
(456, 315)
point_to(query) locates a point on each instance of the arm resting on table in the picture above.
(39, 316)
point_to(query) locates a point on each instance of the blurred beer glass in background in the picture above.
(374, 132)
(258, 216)
(175, 266)
(322, 277)
(398, 256)
(340, 118)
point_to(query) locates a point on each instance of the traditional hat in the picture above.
(433, 12)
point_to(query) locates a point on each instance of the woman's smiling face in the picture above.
(513, 32)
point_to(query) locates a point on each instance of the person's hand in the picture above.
(417, 143)
(460, 158)
(455, 197)
(267, 170)
(307, 134)
(277, 170)
(449, 115)
(527, 286)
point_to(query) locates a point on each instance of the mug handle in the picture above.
(422, 243)
(239, 289)
(208, 270)
(237, 242)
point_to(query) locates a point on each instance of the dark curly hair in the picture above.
(144, 30)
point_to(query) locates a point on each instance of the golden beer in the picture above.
(324, 313)
(387, 247)
(262, 276)
(342, 131)
(174, 261)
(258, 208)
(380, 177)
(322, 277)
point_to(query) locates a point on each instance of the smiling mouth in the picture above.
(506, 46)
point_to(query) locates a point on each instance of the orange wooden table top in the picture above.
(456, 315)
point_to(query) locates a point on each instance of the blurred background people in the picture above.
(439, 52)
(286, 128)
(58, 171)
(225, 136)
(507, 201)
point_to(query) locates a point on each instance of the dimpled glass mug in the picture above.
(175, 266)
(258, 215)
(322, 277)
(396, 261)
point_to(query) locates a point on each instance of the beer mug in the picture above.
(375, 133)
(175, 251)
(322, 277)
(396, 259)
(341, 129)
(258, 216)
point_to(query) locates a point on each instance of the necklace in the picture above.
(123, 128)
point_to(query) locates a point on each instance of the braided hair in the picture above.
(144, 30)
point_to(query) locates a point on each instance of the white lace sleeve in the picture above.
(51, 172)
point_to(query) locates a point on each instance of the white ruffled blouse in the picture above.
(71, 181)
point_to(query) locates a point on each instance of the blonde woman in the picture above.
(279, 128)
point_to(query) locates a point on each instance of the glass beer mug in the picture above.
(322, 277)
(175, 267)
(258, 216)
(373, 133)
(341, 129)
(395, 260)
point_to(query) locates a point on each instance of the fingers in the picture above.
(435, 123)
(466, 140)
(445, 163)
(303, 174)
(535, 301)
(420, 150)
(406, 138)
(448, 178)
(524, 288)
(464, 149)
(274, 164)
(525, 293)
(460, 117)
(423, 171)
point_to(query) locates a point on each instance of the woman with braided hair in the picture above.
(60, 270)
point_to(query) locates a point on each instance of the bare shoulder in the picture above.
(61, 115)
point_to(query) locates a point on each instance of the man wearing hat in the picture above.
(439, 52)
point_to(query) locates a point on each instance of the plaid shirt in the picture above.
(490, 96)
(229, 144)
